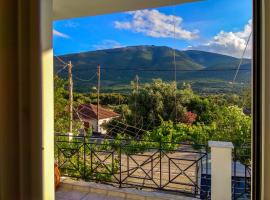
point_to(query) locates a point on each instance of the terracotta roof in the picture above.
(89, 112)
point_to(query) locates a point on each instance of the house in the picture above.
(89, 115)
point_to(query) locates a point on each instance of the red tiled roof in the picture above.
(89, 112)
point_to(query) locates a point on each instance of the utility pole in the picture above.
(137, 83)
(137, 88)
(70, 89)
(98, 90)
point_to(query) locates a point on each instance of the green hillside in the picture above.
(214, 60)
(119, 67)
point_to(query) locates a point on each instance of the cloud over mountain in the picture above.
(156, 24)
(107, 44)
(229, 43)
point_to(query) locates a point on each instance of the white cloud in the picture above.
(155, 24)
(229, 43)
(59, 34)
(107, 44)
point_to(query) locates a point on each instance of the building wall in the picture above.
(104, 121)
(93, 124)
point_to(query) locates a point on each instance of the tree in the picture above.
(61, 117)
(230, 125)
(60, 105)
(205, 109)
(233, 125)
(246, 101)
(189, 118)
(159, 100)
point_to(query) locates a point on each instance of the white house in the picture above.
(88, 114)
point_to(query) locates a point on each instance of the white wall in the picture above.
(93, 124)
(47, 101)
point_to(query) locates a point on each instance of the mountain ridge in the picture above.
(120, 65)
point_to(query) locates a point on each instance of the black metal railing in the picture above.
(174, 167)
(140, 164)
(241, 173)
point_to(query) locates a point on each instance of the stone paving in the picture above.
(65, 194)
(71, 189)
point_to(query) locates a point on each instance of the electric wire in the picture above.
(242, 57)
(85, 80)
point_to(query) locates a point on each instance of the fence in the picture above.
(241, 180)
(241, 175)
(128, 163)
(150, 165)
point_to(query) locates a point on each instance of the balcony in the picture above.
(107, 168)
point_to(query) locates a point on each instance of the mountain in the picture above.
(221, 67)
(214, 60)
(119, 66)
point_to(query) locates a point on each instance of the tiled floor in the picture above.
(63, 194)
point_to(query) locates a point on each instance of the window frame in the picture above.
(257, 101)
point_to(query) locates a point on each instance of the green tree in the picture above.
(246, 100)
(60, 105)
(61, 116)
(233, 125)
(204, 108)
(158, 100)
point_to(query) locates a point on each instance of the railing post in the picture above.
(84, 157)
(160, 164)
(234, 175)
(120, 165)
(221, 170)
(197, 178)
(91, 159)
(58, 152)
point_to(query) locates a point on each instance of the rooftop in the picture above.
(89, 112)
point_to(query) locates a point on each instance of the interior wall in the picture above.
(26, 130)
(9, 143)
(47, 100)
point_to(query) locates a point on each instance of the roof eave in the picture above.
(65, 9)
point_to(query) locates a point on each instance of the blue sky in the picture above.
(221, 26)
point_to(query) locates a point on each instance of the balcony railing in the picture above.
(150, 165)
(241, 177)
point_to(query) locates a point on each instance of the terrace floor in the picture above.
(65, 194)
(79, 190)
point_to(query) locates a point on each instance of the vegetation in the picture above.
(168, 115)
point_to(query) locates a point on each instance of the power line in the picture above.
(85, 80)
(62, 61)
(174, 62)
(64, 64)
(63, 68)
(240, 63)
(76, 77)
(118, 122)
(170, 70)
